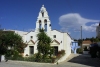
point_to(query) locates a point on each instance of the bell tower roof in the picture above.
(43, 9)
(42, 5)
(43, 12)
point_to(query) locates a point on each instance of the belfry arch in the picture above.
(45, 24)
(40, 24)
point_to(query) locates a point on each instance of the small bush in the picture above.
(79, 50)
(30, 58)
(38, 57)
(33, 58)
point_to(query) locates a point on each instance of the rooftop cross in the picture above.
(42, 5)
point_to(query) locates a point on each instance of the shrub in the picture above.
(30, 58)
(33, 58)
(38, 57)
(79, 50)
(48, 61)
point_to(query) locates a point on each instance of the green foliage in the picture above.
(93, 39)
(38, 57)
(11, 39)
(33, 58)
(79, 50)
(43, 43)
(51, 51)
(14, 56)
(30, 58)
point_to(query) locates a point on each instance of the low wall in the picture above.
(85, 52)
(63, 58)
(2, 57)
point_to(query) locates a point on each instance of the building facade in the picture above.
(60, 40)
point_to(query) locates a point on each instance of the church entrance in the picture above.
(31, 50)
(55, 50)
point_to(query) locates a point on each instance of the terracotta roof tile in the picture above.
(87, 42)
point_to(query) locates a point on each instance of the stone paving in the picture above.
(72, 61)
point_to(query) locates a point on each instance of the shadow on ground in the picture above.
(86, 60)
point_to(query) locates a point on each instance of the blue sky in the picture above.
(65, 15)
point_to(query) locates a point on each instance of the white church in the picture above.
(60, 40)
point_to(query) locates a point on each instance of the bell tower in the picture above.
(43, 20)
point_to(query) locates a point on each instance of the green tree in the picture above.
(12, 40)
(43, 43)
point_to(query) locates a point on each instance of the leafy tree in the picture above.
(43, 43)
(92, 39)
(12, 40)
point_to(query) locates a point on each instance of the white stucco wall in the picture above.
(67, 47)
(59, 38)
(27, 40)
(2, 57)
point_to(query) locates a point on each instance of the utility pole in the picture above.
(0, 26)
(81, 37)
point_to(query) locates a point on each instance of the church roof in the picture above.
(43, 9)
(86, 42)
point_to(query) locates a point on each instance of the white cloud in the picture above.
(75, 21)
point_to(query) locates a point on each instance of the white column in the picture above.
(42, 24)
(37, 26)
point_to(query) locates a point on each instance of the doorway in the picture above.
(31, 50)
(55, 50)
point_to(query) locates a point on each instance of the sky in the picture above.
(65, 15)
